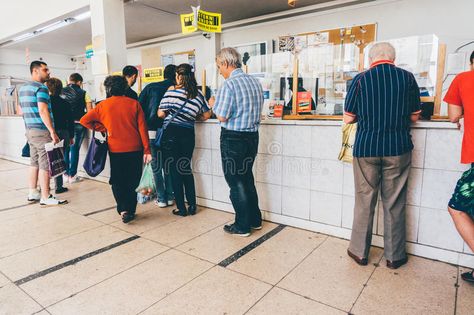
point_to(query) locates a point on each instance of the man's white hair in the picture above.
(382, 50)
(230, 57)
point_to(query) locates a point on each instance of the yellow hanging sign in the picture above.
(187, 23)
(207, 22)
(153, 75)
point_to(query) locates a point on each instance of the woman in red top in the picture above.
(123, 120)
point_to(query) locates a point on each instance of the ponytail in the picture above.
(188, 80)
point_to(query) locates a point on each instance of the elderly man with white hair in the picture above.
(384, 101)
(238, 107)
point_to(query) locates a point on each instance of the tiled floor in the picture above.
(81, 259)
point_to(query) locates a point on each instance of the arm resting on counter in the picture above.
(414, 117)
(455, 113)
(349, 118)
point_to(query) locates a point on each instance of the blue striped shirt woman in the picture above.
(183, 105)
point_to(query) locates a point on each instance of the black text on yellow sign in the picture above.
(153, 75)
(207, 22)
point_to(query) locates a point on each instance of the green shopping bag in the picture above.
(147, 183)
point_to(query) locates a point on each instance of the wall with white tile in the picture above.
(302, 183)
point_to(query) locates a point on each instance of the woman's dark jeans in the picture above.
(238, 152)
(178, 147)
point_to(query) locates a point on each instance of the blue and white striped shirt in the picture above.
(174, 99)
(383, 98)
(240, 100)
(31, 94)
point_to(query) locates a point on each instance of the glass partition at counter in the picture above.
(325, 72)
(419, 55)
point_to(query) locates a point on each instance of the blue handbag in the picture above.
(96, 156)
(160, 131)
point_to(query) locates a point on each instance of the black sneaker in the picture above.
(192, 210)
(468, 276)
(232, 229)
(61, 190)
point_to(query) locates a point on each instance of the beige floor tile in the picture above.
(217, 245)
(218, 291)
(107, 217)
(43, 257)
(84, 202)
(10, 166)
(12, 198)
(63, 283)
(420, 287)
(148, 219)
(15, 301)
(329, 276)
(465, 300)
(279, 301)
(272, 260)
(187, 228)
(43, 312)
(25, 211)
(15, 179)
(43, 227)
(3, 280)
(135, 289)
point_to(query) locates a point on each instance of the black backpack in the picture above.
(75, 97)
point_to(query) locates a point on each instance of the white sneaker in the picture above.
(66, 179)
(52, 201)
(161, 204)
(170, 202)
(75, 179)
(34, 196)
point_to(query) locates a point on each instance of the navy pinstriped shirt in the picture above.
(383, 99)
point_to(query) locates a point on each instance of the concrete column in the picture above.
(108, 40)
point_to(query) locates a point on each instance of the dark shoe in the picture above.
(127, 217)
(396, 263)
(179, 212)
(232, 229)
(192, 210)
(360, 261)
(61, 190)
(468, 276)
(258, 227)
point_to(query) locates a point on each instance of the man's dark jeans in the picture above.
(238, 152)
(71, 154)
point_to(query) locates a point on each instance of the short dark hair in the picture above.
(36, 64)
(54, 86)
(128, 71)
(170, 72)
(472, 58)
(76, 77)
(115, 85)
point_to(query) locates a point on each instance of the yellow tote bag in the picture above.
(348, 138)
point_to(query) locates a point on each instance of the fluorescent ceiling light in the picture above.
(48, 28)
(82, 16)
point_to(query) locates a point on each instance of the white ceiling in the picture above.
(146, 19)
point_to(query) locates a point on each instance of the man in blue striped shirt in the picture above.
(384, 101)
(238, 106)
(35, 105)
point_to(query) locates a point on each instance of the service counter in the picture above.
(301, 182)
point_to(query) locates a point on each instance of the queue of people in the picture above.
(384, 101)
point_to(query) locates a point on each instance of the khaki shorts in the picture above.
(37, 138)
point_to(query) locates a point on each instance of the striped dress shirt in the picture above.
(240, 101)
(30, 95)
(383, 98)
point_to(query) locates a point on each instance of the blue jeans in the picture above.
(238, 152)
(71, 154)
(164, 186)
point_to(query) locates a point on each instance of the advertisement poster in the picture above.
(304, 102)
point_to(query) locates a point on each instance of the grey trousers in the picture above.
(390, 175)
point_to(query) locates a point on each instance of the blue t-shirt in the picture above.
(31, 94)
(174, 99)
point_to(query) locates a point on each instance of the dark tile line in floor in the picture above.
(232, 258)
(16, 207)
(75, 260)
(98, 211)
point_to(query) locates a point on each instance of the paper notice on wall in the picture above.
(300, 43)
(286, 43)
(318, 39)
(281, 62)
(181, 58)
(153, 75)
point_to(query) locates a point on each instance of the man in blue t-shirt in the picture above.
(36, 108)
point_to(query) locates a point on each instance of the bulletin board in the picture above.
(179, 58)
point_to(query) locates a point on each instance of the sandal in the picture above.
(468, 276)
(180, 213)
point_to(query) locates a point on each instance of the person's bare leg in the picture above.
(465, 226)
(44, 183)
(33, 180)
